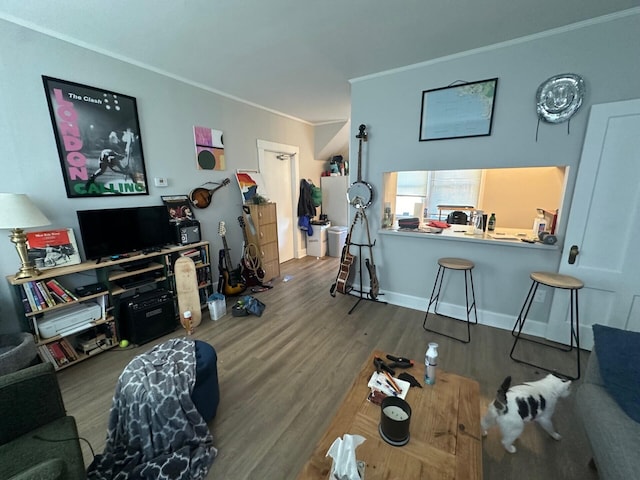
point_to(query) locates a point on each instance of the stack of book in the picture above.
(194, 254)
(59, 352)
(40, 295)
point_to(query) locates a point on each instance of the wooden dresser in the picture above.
(265, 219)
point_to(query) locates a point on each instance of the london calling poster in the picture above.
(98, 137)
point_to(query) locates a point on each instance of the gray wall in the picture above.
(605, 53)
(168, 110)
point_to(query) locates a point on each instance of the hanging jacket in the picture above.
(306, 206)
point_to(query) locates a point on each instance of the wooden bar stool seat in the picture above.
(466, 266)
(553, 280)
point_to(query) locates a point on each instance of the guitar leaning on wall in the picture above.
(373, 277)
(201, 197)
(251, 266)
(232, 281)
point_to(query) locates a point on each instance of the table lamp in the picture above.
(18, 212)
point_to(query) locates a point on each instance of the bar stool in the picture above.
(453, 264)
(554, 280)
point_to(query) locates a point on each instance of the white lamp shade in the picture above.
(17, 211)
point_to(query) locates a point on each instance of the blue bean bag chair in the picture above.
(206, 392)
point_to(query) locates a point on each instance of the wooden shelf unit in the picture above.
(109, 272)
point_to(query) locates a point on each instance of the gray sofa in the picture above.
(613, 435)
(38, 440)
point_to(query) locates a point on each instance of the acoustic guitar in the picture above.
(344, 279)
(251, 266)
(201, 197)
(232, 281)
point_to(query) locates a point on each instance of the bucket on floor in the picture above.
(217, 306)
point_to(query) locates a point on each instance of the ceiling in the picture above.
(294, 57)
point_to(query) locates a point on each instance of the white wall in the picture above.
(604, 53)
(168, 110)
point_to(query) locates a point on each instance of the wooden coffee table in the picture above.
(445, 440)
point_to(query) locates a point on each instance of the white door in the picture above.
(604, 225)
(279, 166)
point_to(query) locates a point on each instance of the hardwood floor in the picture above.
(283, 375)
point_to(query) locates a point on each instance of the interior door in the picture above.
(604, 227)
(278, 166)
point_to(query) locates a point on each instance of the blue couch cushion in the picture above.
(619, 356)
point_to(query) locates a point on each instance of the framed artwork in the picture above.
(52, 248)
(179, 208)
(464, 110)
(209, 149)
(98, 137)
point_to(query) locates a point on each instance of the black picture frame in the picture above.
(98, 137)
(458, 111)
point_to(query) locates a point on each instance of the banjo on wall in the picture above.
(360, 193)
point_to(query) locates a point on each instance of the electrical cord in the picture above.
(38, 437)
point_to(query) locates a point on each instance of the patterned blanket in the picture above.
(154, 429)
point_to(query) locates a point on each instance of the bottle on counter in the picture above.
(430, 364)
(492, 223)
(539, 223)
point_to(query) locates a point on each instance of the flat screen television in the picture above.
(110, 232)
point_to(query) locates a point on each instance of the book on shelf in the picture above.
(169, 264)
(59, 300)
(194, 254)
(37, 295)
(58, 355)
(65, 290)
(45, 355)
(35, 303)
(61, 291)
(68, 349)
(52, 248)
(24, 299)
(45, 294)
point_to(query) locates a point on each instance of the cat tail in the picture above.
(501, 397)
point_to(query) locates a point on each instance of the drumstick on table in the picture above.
(392, 382)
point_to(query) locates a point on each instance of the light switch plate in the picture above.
(160, 182)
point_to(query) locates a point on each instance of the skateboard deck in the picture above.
(187, 289)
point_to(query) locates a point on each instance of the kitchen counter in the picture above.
(509, 237)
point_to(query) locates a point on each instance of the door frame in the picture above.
(294, 154)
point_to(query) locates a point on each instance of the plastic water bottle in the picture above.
(430, 364)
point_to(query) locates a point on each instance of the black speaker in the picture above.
(187, 231)
(147, 316)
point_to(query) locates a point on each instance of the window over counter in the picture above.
(513, 194)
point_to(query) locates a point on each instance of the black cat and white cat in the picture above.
(532, 401)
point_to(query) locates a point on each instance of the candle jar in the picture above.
(395, 416)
